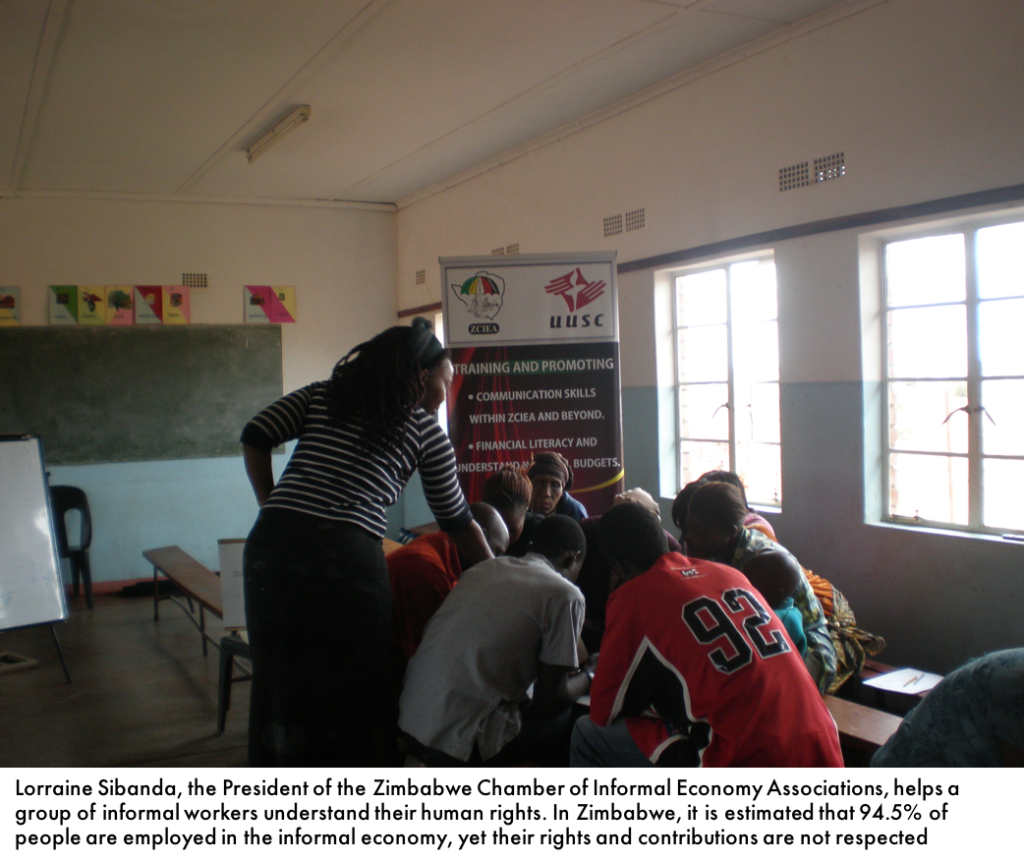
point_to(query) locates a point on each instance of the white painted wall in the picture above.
(341, 261)
(921, 97)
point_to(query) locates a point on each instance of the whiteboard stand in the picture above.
(31, 588)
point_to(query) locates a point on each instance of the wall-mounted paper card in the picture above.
(257, 303)
(120, 305)
(176, 305)
(149, 304)
(282, 305)
(63, 304)
(10, 306)
(92, 305)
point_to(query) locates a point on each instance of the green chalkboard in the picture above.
(136, 393)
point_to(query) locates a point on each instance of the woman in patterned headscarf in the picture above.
(551, 476)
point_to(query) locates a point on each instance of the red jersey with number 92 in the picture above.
(705, 674)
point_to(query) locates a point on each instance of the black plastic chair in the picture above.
(67, 498)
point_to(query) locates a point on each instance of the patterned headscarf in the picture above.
(551, 464)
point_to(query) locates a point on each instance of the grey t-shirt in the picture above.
(480, 654)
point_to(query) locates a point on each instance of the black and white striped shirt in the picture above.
(331, 476)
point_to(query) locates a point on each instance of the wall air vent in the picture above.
(830, 168)
(794, 177)
(512, 249)
(421, 276)
(635, 219)
(194, 279)
(613, 225)
(499, 250)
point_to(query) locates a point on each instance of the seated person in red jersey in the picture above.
(424, 572)
(695, 669)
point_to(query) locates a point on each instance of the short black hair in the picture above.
(557, 535)
(718, 505)
(681, 504)
(629, 533)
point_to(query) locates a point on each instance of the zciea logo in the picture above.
(483, 295)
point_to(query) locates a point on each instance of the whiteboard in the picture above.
(31, 589)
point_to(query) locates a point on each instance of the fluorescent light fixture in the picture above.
(295, 119)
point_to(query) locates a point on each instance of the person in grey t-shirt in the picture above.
(509, 624)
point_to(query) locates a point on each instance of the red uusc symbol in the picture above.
(585, 291)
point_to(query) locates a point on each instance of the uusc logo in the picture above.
(577, 293)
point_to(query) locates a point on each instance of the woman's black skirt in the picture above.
(318, 604)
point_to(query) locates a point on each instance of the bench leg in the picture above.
(202, 626)
(156, 596)
(227, 669)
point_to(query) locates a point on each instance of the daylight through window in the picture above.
(727, 375)
(955, 378)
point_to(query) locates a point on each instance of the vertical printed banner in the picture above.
(92, 305)
(258, 299)
(177, 308)
(120, 305)
(149, 304)
(535, 346)
(10, 306)
(63, 304)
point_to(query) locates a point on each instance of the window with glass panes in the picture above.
(954, 312)
(727, 375)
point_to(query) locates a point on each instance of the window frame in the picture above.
(968, 227)
(763, 255)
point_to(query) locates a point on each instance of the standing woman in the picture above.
(317, 594)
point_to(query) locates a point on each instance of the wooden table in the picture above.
(861, 728)
(193, 579)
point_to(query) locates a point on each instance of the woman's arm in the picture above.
(471, 544)
(260, 471)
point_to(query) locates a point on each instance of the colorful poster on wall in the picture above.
(120, 305)
(63, 304)
(534, 343)
(92, 305)
(257, 303)
(177, 307)
(282, 305)
(10, 306)
(149, 304)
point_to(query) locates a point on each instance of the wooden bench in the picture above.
(192, 579)
(862, 730)
(197, 582)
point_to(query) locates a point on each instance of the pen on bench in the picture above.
(913, 679)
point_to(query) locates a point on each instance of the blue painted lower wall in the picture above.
(136, 506)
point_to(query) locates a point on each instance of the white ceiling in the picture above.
(162, 97)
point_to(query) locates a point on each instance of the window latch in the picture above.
(968, 410)
(727, 406)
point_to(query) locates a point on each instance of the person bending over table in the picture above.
(424, 571)
(694, 670)
(317, 596)
(509, 491)
(509, 624)
(715, 531)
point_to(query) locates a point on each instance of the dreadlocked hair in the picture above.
(379, 382)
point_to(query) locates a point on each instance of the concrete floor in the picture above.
(142, 693)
